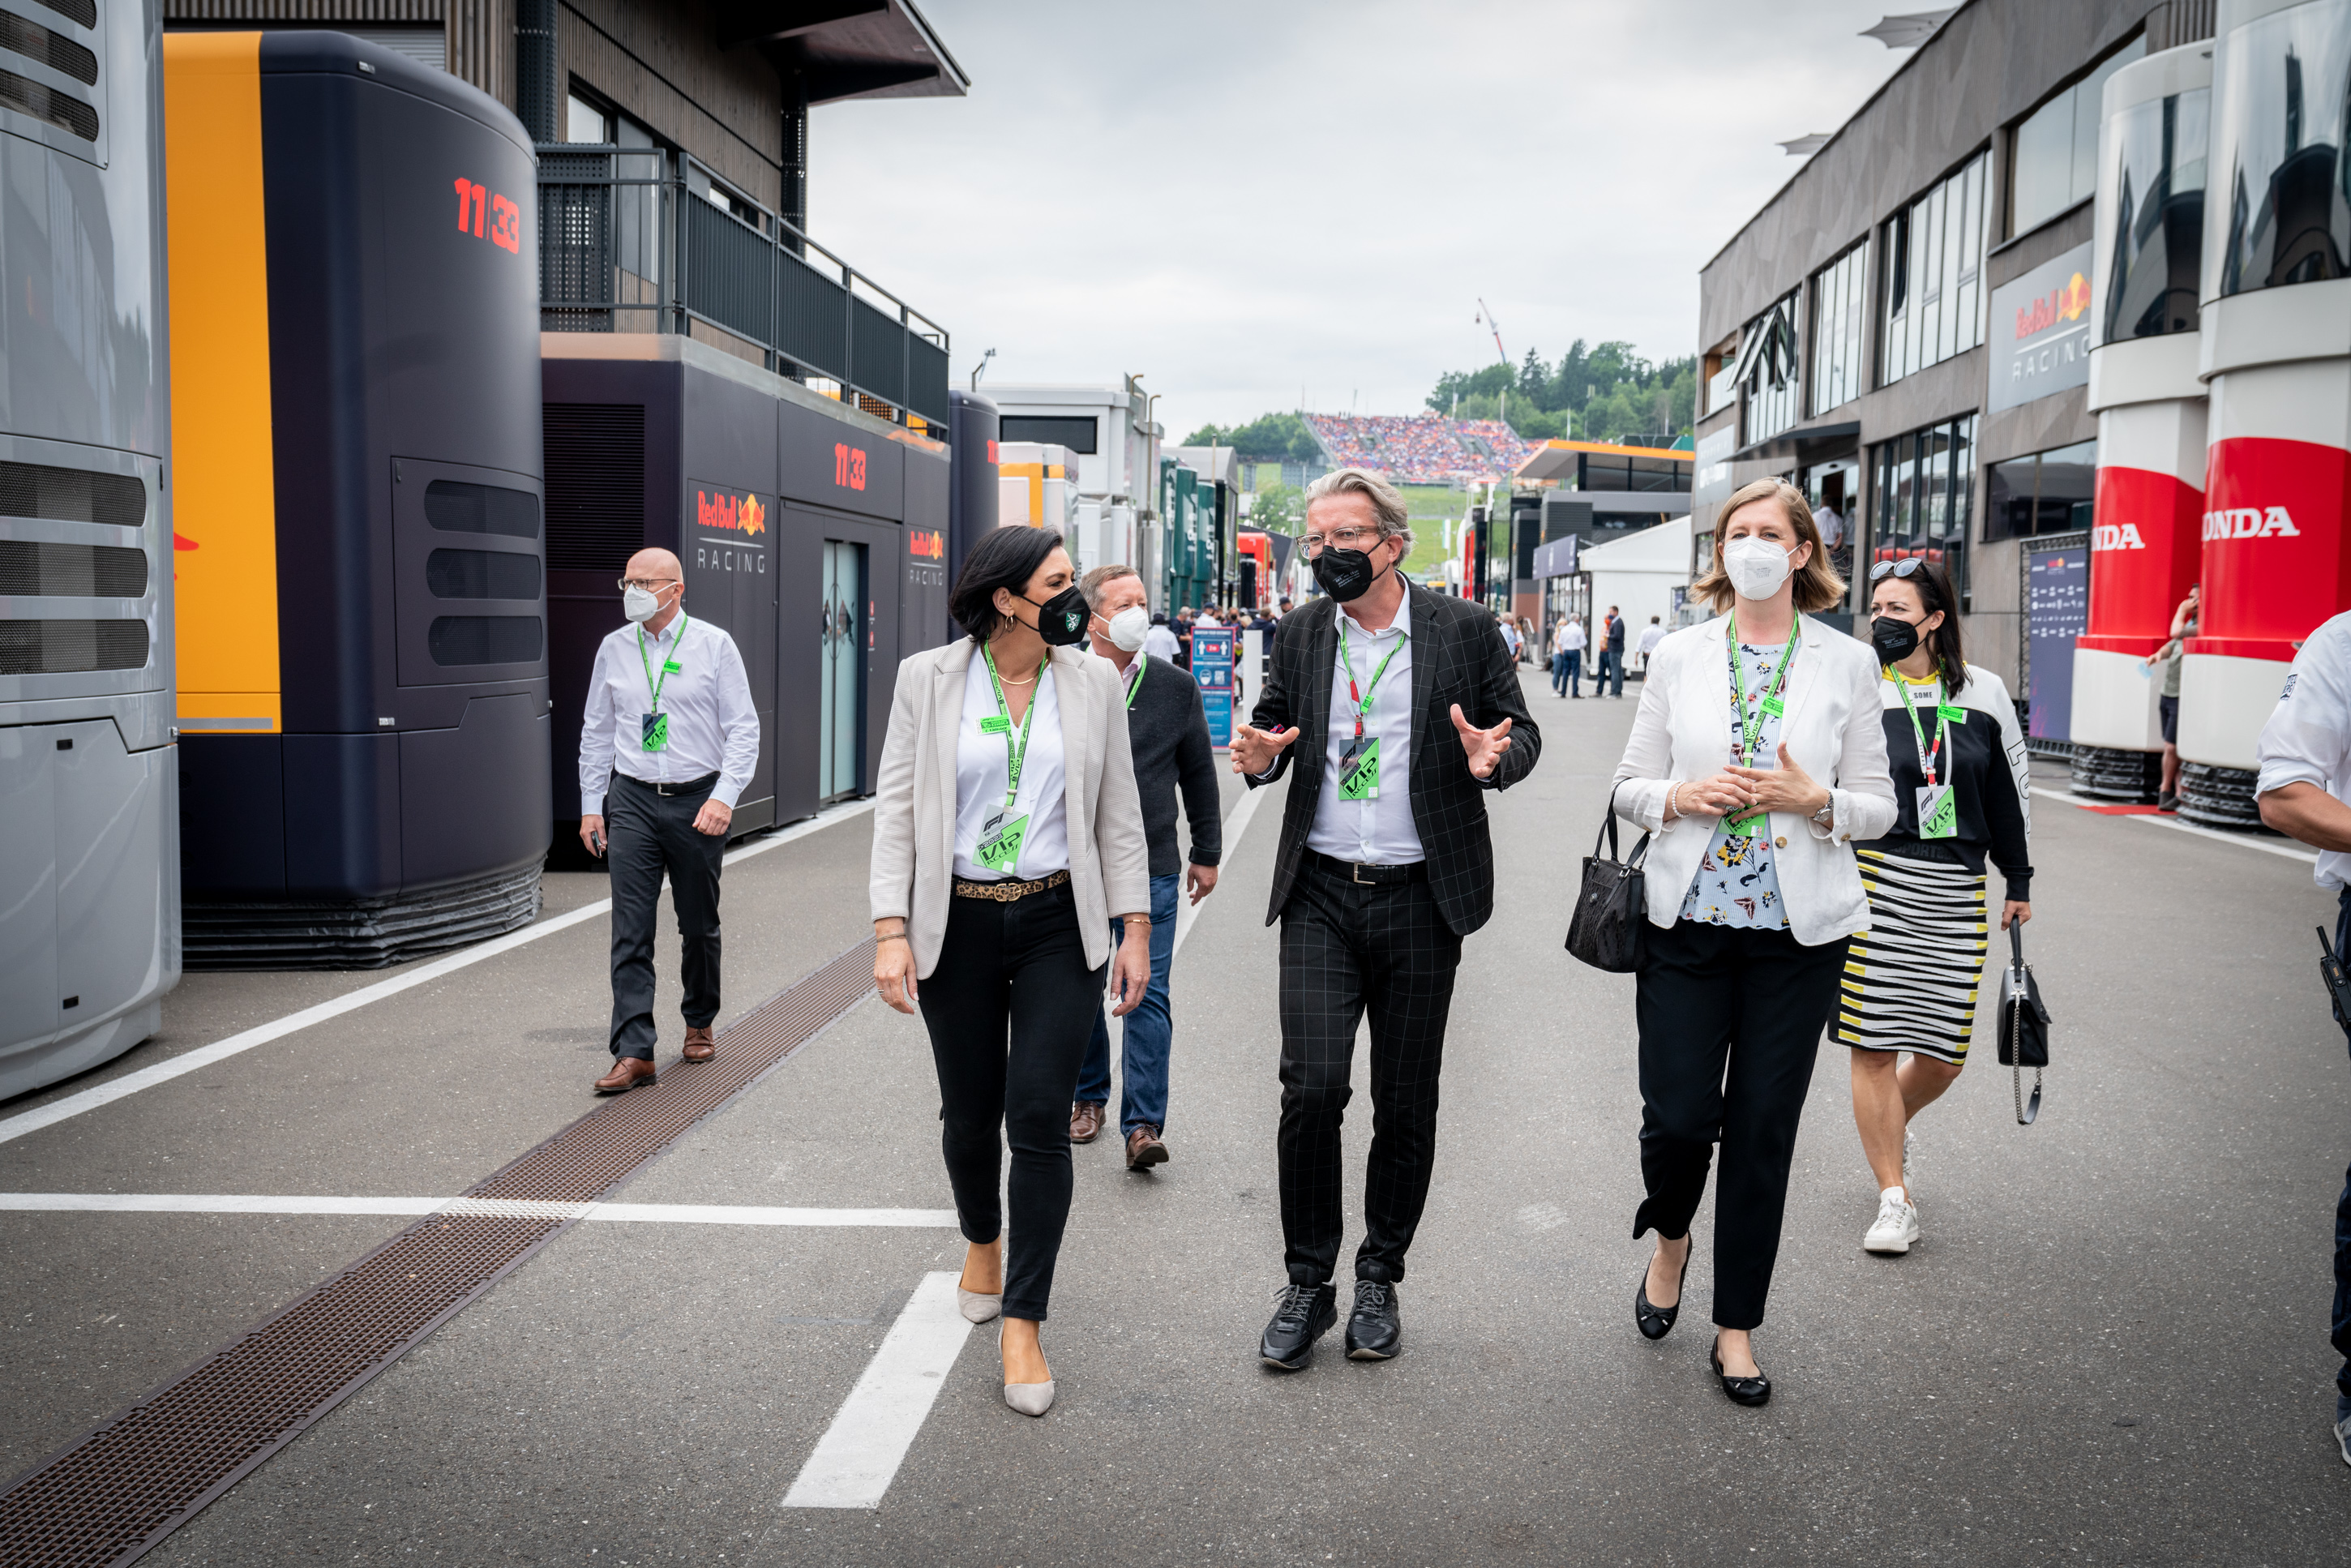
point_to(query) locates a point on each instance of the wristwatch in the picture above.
(1826, 816)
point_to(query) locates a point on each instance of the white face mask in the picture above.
(1757, 566)
(638, 604)
(1127, 629)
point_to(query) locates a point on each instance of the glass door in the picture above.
(841, 750)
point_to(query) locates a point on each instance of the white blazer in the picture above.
(1832, 728)
(914, 798)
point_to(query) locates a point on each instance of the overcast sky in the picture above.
(1249, 202)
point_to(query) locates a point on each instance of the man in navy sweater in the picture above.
(1169, 731)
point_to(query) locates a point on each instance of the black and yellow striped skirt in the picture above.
(1910, 980)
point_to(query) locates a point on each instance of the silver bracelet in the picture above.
(1673, 797)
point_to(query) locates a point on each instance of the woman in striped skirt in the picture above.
(1961, 787)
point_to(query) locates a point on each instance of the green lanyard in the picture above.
(1134, 681)
(1751, 725)
(668, 664)
(1014, 755)
(1942, 725)
(1363, 701)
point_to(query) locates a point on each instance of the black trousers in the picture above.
(1010, 1010)
(1730, 1022)
(1347, 949)
(647, 834)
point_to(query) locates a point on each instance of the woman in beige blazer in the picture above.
(1757, 758)
(1007, 835)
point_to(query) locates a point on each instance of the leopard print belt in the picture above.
(1007, 891)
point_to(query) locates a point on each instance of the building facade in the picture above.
(1904, 330)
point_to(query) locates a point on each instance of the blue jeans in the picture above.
(1150, 1028)
(1567, 672)
(2342, 1335)
(1612, 663)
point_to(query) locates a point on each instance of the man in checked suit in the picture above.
(1393, 709)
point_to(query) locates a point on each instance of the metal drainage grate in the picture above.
(121, 1489)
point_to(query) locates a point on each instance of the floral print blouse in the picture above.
(1736, 884)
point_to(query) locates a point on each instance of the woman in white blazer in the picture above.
(1007, 835)
(1757, 758)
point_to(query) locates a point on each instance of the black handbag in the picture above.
(1612, 909)
(2023, 1026)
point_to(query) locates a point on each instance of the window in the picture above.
(1077, 434)
(2154, 200)
(2054, 161)
(1934, 275)
(1839, 321)
(2278, 154)
(584, 121)
(1923, 488)
(1766, 370)
(2037, 494)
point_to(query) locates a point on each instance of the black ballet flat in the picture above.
(1656, 1322)
(1756, 1390)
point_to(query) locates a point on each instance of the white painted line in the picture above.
(727, 1214)
(2156, 820)
(503, 1208)
(131, 1084)
(1235, 826)
(859, 1455)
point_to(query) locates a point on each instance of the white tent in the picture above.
(1638, 574)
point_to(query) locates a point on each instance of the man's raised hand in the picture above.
(1255, 750)
(1484, 747)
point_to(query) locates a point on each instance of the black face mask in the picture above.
(1894, 640)
(1346, 575)
(1061, 620)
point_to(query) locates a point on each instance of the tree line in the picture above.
(1603, 394)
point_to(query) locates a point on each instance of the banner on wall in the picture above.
(2041, 330)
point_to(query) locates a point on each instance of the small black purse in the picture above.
(1611, 908)
(2023, 1026)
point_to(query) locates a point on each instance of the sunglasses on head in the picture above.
(1905, 566)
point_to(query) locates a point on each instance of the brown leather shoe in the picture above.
(628, 1071)
(1085, 1122)
(699, 1046)
(1143, 1148)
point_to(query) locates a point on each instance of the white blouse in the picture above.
(982, 763)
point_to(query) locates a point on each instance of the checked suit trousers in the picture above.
(1346, 949)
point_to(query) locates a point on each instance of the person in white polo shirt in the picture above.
(2305, 762)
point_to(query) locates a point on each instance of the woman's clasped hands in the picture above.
(1739, 791)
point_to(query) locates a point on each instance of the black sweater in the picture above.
(1169, 730)
(1992, 812)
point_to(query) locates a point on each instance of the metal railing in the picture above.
(628, 242)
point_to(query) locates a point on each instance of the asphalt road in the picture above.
(2110, 1347)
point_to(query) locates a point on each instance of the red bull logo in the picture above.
(2066, 304)
(926, 543)
(729, 514)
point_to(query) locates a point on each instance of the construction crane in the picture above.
(1485, 319)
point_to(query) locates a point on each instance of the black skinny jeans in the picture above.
(1730, 1022)
(1010, 1008)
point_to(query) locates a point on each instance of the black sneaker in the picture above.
(1376, 1327)
(1301, 1314)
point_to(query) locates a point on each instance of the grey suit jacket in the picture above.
(915, 801)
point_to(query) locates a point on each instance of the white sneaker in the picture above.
(1895, 1227)
(2342, 1437)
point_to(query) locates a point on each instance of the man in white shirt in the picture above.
(1651, 635)
(1383, 867)
(2305, 779)
(669, 741)
(1567, 645)
(1159, 643)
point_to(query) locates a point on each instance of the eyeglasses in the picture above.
(1907, 567)
(649, 585)
(1340, 539)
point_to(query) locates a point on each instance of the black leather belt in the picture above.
(687, 786)
(1367, 875)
